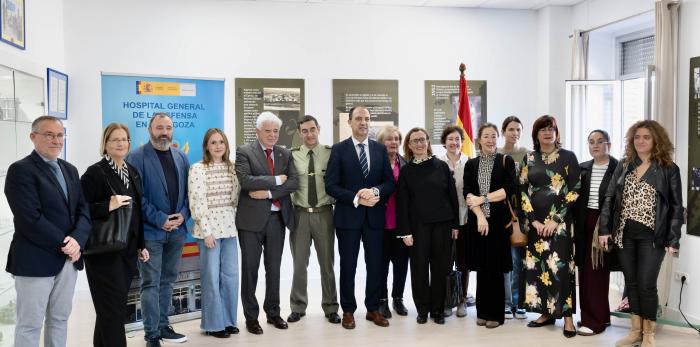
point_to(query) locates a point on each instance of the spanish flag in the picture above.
(464, 115)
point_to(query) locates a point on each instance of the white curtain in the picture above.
(579, 71)
(579, 55)
(665, 53)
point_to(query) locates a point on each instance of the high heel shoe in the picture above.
(569, 333)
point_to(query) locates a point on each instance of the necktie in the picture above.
(363, 160)
(313, 197)
(271, 166)
(59, 176)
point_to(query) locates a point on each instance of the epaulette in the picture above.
(328, 147)
(294, 149)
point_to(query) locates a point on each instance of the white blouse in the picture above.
(213, 192)
(458, 174)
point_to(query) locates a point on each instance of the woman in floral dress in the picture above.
(549, 185)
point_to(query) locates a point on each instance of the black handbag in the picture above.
(110, 234)
(454, 290)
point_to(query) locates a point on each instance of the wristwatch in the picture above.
(375, 190)
(486, 199)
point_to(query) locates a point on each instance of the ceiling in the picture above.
(500, 4)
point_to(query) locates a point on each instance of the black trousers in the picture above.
(641, 262)
(430, 264)
(490, 292)
(270, 243)
(396, 253)
(109, 277)
(349, 248)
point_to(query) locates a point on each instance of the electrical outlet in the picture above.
(678, 275)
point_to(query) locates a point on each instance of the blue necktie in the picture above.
(59, 176)
(363, 160)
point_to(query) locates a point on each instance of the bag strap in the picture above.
(107, 180)
(510, 208)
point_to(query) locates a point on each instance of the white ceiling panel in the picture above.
(498, 4)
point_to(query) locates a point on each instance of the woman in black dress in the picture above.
(549, 185)
(427, 220)
(109, 274)
(488, 180)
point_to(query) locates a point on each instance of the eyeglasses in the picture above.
(597, 143)
(52, 136)
(419, 141)
(119, 140)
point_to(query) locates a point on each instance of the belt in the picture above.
(319, 209)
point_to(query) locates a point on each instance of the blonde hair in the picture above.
(107, 132)
(663, 148)
(385, 131)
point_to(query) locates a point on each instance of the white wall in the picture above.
(317, 42)
(688, 47)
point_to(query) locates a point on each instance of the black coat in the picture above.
(581, 205)
(97, 193)
(669, 202)
(491, 252)
(43, 217)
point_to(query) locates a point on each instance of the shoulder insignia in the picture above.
(294, 149)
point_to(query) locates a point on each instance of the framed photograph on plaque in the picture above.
(57, 85)
(12, 23)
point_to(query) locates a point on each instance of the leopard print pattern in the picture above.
(638, 204)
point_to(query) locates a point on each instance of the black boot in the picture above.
(384, 308)
(399, 307)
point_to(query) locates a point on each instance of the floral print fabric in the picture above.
(549, 185)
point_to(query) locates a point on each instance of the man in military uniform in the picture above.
(314, 214)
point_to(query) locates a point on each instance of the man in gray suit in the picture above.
(267, 176)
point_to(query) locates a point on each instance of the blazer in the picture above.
(43, 217)
(254, 174)
(581, 204)
(669, 202)
(344, 178)
(155, 203)
(96, 183)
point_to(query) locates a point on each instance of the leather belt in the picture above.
(319, 209)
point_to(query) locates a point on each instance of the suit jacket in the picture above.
(43, 217)
(581, 205)
(344, 178)
(254, 174)
(96, 183)
(155, 203)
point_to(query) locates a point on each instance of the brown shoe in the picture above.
(348, 320)
(377, 318)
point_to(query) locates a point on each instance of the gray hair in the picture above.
(267, 116)
(36, 122)
(386, 131)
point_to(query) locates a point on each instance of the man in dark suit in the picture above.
(52, 225)
(267, 176)
(360, 179)
(163, 170)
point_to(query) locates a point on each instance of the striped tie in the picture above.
(363, 160)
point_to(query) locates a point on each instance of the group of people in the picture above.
(419, 209)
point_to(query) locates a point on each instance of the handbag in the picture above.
(110, 234)
(454, 290)
(517, 237)
(599, 254)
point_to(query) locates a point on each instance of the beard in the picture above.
(161, 143)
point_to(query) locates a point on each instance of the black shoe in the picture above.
(569, 333)
(384, 308)
(535, 324)
(295, 317)
(222, 334)
(232, 330)
(333, 318)
(167, 334)
(153, 342)
(438, 317)
(399, 307)
(278, 322)
(253, 327)
(422, 318)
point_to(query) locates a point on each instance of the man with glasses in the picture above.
(165, 212)
(52, 225)
(360, 179)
